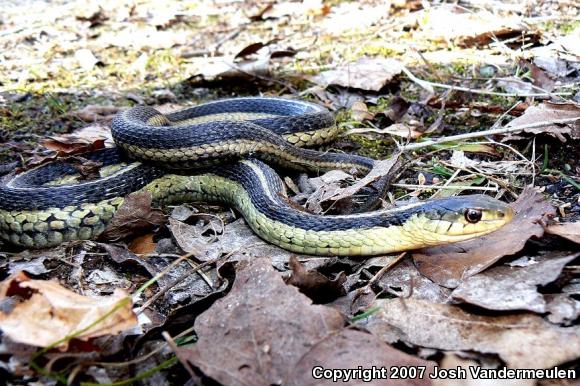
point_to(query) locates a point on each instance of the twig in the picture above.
(477, 134)
(443, 187)
(383, 270)
(427, 85)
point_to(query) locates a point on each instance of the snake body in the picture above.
(217, 144)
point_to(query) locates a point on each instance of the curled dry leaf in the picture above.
(548, 112)
(369, 74)
(191, 239)
(567, 230)
(134, 217)
(264, 326)
(448, 265)
(87, 139)
(360, 112)
(513, 288)
(143, 244)
(313, 284)
(71, 144)
(520, 340)
(50, 312)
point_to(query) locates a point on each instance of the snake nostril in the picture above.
(500, 214)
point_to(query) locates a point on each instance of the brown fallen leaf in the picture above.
(382, 171)
(191, 239)
(360, 112)
(520, 340)
(325, 187)
(71, 144)
(313, 284)
(50, 312)
(93, 113)
(448, 265)
(547, 112)
(370, 74)
(513, 288)
(404, 280)
(134, 217)
(94, 132)
(567, 230)
(143, 244)
(264, 326)
(250, 50)
(351, 349)
(241, 243)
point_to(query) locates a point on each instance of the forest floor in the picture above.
(480, 97)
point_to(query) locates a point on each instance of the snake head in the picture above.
(459, 218)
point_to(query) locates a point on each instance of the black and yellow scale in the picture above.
(214, 152)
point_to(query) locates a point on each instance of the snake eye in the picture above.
(472, 215)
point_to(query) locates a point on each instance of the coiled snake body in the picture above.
(228, 140)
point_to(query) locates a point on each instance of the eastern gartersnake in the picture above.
(44, 206)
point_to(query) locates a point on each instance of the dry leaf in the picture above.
(72, 144)
(190, 237)
(50, 312)
(250, 49)
(264, 326)
(404, 280)
(382, 170)
(567, 230)
(93, 132)
(245, 69)
(548, 112)
(448, 265)
(134, 217)
(360, 112)
(370, 74)
(513, 288)
(143, 244)
(93, 113)
(352, 349)
(521, 340)
(316, 286)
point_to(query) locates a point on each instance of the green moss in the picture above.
(373, 147)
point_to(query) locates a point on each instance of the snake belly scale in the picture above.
(217, 152)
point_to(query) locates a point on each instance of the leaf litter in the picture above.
(281, 48)
(49, 313)
(448, 327)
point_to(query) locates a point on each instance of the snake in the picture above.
(221, 152)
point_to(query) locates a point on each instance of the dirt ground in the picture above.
(477, 96)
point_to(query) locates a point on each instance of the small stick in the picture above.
(445, 187)
(427, 85)
(477, 134)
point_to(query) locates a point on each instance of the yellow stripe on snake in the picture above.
(213, 153)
